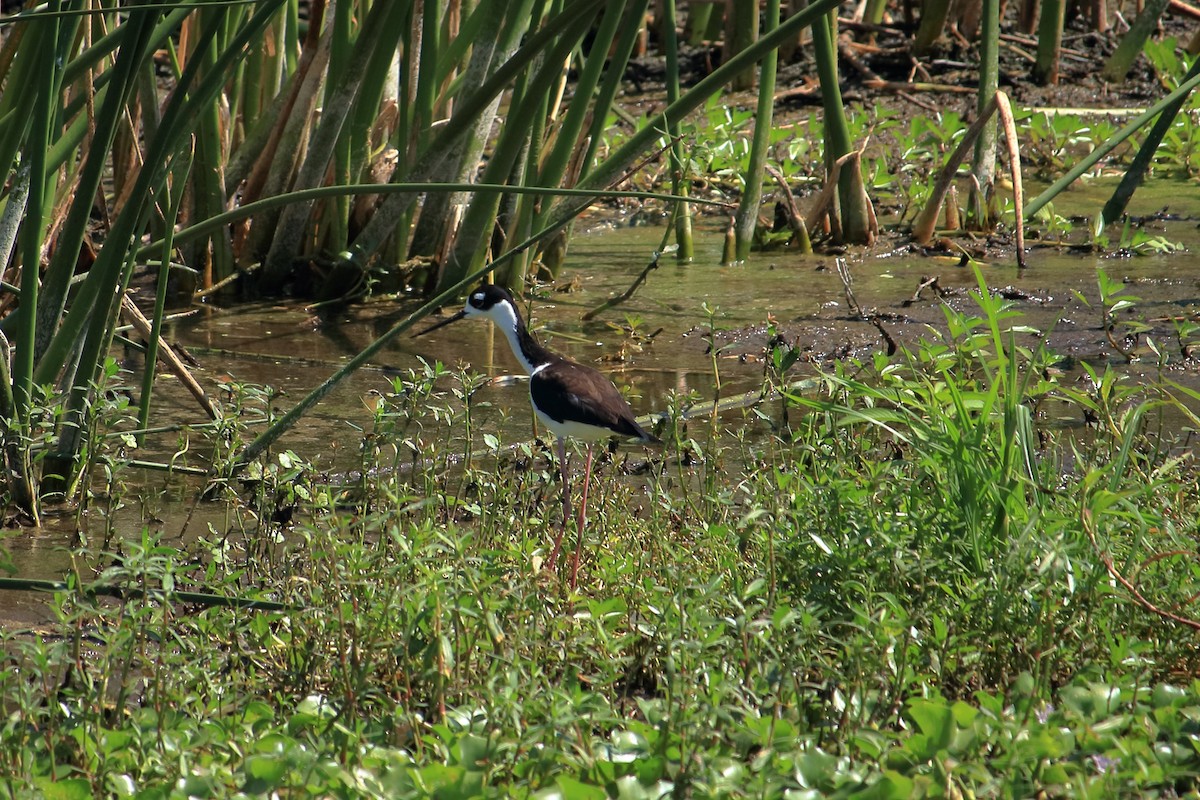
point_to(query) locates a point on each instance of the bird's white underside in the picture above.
(570, 429)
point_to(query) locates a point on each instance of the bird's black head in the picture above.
(491, 301)
(487, 297)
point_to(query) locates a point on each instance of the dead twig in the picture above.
(168, 356)
(926, 283)
(872, 80)
(1090, 528)
(1184, 9)
(628, 293)
(843, 271)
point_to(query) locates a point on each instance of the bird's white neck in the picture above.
(505, 318)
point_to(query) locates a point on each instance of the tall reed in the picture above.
(746, 219)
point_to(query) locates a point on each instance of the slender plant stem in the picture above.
(160, 301)
(472, 244)
(466, 113)
(33, 228)
(685, 246)
(106, 271)
(1131, 45)
(611, 168)
(1050, 31)
(983, 164)
(95, 302)
(289, 231)
(746, 219)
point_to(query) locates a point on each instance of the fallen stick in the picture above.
(168, 356)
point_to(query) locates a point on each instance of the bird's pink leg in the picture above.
(587, 478)
(566, 501)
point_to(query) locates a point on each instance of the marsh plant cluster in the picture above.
(946, 572)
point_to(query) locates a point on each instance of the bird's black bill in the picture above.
(443, 323)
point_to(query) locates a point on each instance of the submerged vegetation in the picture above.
(966, 567)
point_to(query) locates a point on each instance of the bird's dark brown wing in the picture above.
(569, 392)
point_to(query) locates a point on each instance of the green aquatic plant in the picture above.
(1122, 331)
(1057, 228)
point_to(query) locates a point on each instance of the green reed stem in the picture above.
(509, 22)
(44, 61)
(933, 21)
(182, 107)
(746, 218)
(96, 300)
(610, 170)
(983, 164)
(853, 216)
(466, 113)
(289, 232)
(1050, 33)
(473, 241)
(741, 29)
(208, 197)
(1131, 45)
(686, 247)
(371, 94)
(160, 299)
(614, 76)
(21, 92)
(425, 93)
(341, 55)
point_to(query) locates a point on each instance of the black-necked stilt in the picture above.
(570, 399)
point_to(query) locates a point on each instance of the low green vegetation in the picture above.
(945, 573)
(900, 157)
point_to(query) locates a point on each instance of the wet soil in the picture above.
(875, 61)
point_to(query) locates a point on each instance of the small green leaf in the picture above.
(935, 720)
(1166, 694)
(122, 785)
(473, 751)
(571, 789)
(68, 789)
(263, 773)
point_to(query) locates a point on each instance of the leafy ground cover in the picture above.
(942, 573)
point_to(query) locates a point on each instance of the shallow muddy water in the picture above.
(288, 347)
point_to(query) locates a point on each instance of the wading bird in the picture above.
(571, 399)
